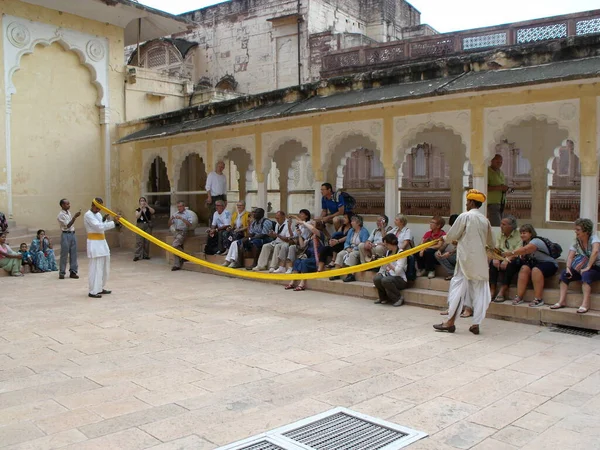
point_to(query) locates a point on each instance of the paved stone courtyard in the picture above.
(192, 361)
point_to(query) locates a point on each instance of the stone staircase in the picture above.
(432, 293)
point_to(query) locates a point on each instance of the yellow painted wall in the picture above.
(56, 146)
(153, 93)
(64, 138)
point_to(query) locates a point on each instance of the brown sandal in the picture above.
(289, 286)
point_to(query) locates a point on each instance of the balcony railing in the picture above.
(518, 33)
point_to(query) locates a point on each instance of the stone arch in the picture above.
(500, 134)
(157, 177)
(286, 152)
(22, 36)
(227, 83)
(181, 152)
(415, 137)
(243, 161)
(148, 158)
(443, 187)
(342, 148)
(537, 139)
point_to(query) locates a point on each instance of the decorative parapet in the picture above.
(360, 59)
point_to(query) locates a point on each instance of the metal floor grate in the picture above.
(336, 429)
(262, 445)
(342, 431)
(574, 331)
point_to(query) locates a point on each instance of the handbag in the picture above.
(579, 262)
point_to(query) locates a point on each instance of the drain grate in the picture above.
(262, 445)
(574, 331)
(344, 431)
(337, 429)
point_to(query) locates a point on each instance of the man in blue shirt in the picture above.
(330, 206)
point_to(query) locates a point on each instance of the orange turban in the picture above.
(474, 194)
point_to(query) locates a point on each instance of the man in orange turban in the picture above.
(469, 286)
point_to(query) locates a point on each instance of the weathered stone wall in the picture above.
(253, 41)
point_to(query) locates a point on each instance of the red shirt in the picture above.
(431, 236)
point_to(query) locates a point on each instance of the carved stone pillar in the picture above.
(391, 192)
(262, 190)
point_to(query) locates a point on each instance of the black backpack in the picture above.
(554, 249)
(3, 223)
(349, 201)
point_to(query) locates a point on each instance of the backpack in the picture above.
(349, 201)
(3, 223)
(554, 249)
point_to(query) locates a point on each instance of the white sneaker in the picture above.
(289, 271)
(279, 270)
(421, 272)
(259, 269)
(431, 275)
(226, 263)
(271, 270)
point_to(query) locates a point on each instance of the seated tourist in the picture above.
(426, 261)
(258, 235)
(43, 255)
(402, 232)
(295, 249)
(391, 279)
(335, 245)
(9, 259)
(272, 252)
(536, 265)
(240, 221)
(27, 259)
(374, 247)
(582, 264)
(350, 256)
(446, 254)
(308, 262)
(217, 233)
(508, 240)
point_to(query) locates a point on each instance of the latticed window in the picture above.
(162, 57)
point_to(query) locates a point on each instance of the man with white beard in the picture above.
(97, 249)
(470, 284)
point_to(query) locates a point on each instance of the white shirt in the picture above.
(403, 235)
(179, 224)
(398, 268)
(216, 184)
(93, 224)
(64, 217)
(282, 230)
(221, 220)
(473, 232)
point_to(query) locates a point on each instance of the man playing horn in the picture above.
(98, 251)
(473, 232)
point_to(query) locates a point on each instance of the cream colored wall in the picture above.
(64, 136)
(153, 93)
(55, 137)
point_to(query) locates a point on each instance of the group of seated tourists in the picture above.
(39, 256)
(529, 257)
(303, 244)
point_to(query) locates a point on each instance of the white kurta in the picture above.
(469, 286)
(97, 251)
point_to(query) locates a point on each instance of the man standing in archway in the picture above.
(216, 188)
(496, 191)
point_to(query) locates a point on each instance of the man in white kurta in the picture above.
(98, 251)
(470, 284)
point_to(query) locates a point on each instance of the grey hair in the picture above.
(219, 162)
(219, 203)
(513, 221)
(587, 226)
(243, 202)
(402, 218)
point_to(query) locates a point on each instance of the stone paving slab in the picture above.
(185, 360)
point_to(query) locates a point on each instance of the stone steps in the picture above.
(432, 293)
